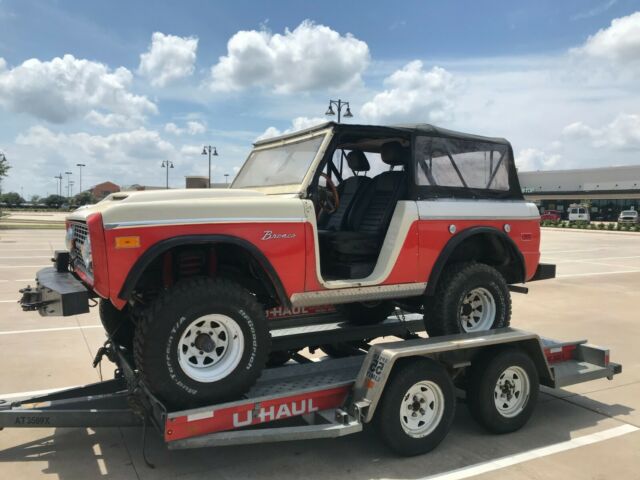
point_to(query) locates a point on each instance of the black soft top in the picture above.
(403, 129)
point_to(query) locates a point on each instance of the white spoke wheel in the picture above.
(478, 310)
(421, 409)
(210, 348)
(511, 392)
(417, 407)
(502, 389)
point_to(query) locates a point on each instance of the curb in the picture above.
(577, 230)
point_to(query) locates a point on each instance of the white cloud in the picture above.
(169, 58)
(620, 42)
(307, 58)
(622, 133)
(534, 159)
(595, 11)
(192, 127)
(413, 94)
(298, 123)
(111, 120)
(67, 88)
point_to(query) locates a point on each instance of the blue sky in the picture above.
(121, 86)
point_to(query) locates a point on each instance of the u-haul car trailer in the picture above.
(407, 388)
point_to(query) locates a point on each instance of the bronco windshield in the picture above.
(279, 165)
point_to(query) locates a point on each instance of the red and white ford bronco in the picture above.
(364, 218)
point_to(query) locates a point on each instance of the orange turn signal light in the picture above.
(127, 242)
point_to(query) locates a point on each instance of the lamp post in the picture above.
(80, 165)
(59, 179)
(339, 104)
(68, 185)
(226, 179)
(71, 184)
(208, 149)
(167, 164)
(2, 159)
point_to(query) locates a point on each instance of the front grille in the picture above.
(80, 234)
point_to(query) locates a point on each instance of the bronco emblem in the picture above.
(269, 235)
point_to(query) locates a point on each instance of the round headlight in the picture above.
(68, 238)
(86, 253)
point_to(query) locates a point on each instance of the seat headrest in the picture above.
(392, 153)
(357, 161)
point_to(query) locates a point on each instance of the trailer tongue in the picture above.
(405, 386)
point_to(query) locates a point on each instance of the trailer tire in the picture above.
(509, 378)
(403, 423)
(117, 323)
(460, 287)
(366, 313)
(205, 340)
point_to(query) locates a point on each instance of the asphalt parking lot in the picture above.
(588, 431)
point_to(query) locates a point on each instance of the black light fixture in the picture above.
(167, 164)
(339, 104)
(211, 151)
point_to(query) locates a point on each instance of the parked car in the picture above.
(628, 217)
(551, 215)
(184, 277)
(579, 213)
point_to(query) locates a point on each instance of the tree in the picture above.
(11, 199)
(54, 201)
(35, 199)
(84, 198)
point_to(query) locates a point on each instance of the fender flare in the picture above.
(453, 243)
(162, 246)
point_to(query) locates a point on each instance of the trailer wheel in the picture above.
(417, 408)
(503, 390)
(366, 313)
(117, 323)
(202, 341)
(469, 297)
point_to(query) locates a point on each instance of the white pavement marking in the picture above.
(569, 275)
(583, 260)
(19, 280)
(8, 301)
(504, 462)
(41, 330)
(20, 266)
(27, 256)
(33, 393)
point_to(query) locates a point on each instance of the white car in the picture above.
(628, 217)
(579, 214)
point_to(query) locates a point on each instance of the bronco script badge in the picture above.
(269, 235)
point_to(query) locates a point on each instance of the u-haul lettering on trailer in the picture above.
(376, 367)
(273, 412)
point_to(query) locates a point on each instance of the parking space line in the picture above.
(27, 256)
(42, 330)
(20, 266)
(504, 462)
(615, 272)
(33, 393)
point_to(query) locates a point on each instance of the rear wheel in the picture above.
(470, 297)
(417, 408)
(366, 313)
(202, 341)
(503, 390)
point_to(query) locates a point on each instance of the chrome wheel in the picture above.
(478, 310)
(421, 409)
(512, 392)
(210, 348)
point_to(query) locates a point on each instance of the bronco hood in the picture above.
(188, 206)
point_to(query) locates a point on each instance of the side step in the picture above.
(324, 424)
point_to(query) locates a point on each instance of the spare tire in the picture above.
(202, 341)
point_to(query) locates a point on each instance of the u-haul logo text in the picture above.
(274, 412)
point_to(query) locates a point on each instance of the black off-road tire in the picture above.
(159, 332)
(368, 313)
(442, 310)
(388, 418)
(118, 324)
(342, 349)
(482, 379)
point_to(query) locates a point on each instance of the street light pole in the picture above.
(226, 179)
(167, 164)
(80, 165)
(208, 149)
(68, 186)
(339, 104)
(59, 181)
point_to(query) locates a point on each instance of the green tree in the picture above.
(11, 199)
(84, 198)
(4, 168)
(35, 199)
(54, 201)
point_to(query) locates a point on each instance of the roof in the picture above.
(419, 128)
(619, 178)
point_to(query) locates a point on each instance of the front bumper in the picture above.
(55, 294)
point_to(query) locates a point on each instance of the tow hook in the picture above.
(106, 349)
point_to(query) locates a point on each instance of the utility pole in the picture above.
(167, 164)
(80, 165)
(211, 151)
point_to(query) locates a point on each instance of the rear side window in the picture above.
(582, 210)
(473, 164)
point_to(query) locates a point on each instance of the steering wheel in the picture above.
(328, 203)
